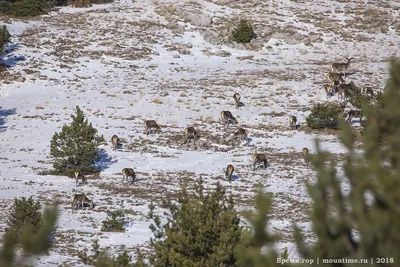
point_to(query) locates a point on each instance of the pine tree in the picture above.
(75, 147)
(243, 33)
(4, 38)
(255, 241)
(201, 230)
(24, 212)
(33, 240)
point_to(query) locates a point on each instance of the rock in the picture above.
(207, 53)
(198, 18)
(176, 56)
(222, 53)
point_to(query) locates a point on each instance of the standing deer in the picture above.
(151, 126)
(335, 77)
(190, 133)
(79, 175)
(227, 117)
(259, 158)
(306, 154)
(229, 172)
(341, 67)
(236, 97)
(292, 122)
(243, 134)
(115, 141)
(344, 91)
(81, 199)
(128, 172)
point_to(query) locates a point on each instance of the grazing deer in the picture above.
(341, 67)
(306, 154)
(259, 158)
(292, 122)
(242, 133)
(152, 126)
(335, 77)
(329, 90)
(229, 172)
(354, 114)
(79, 175)
(236, 97)
(128, 172)
(190, 133)
(115, 141)
(226, 117)
(81, 199)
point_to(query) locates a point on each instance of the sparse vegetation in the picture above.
(325, 115)
(115, 221)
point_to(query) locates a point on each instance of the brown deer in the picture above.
(236, 97)
(242, 133)
(292, 122)
(341, 67)
(151, 126)
(227, 117)
(81, 200)
(306, 154)
(190, 133)
(259, 158)
(79, 175)
(115, 141)
(128, 172)
(335, 77)
(229, 172)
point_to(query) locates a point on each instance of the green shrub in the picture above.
(325, 115)
(243, 32)
(32, 239)
(25, 8)
(24, 212)
(75, 147)
(201, 230)
(4, 37)
(115, 222)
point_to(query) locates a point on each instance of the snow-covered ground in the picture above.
(124, 63)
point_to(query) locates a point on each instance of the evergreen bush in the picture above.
(243, 32)
(75, 147)
(115, 222)
(25, 8)
(28, 230)
(201, 230)
(325, 115)
(24, 212)
(4, 38)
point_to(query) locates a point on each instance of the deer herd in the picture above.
(336, 85)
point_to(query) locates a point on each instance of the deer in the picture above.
(128, 172)
(292, 122)
(229, 172)
(368, 92)
(190, 133)
(226, 117)
(236, 97)
(354, 114)
(341, 66)
(328, 90)
(259, 158)
(79, 175)
(114, 141)
(151, 126)
(81, 199)
(335, 77)
(242, 133)
(344, 91)
(306, 154)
